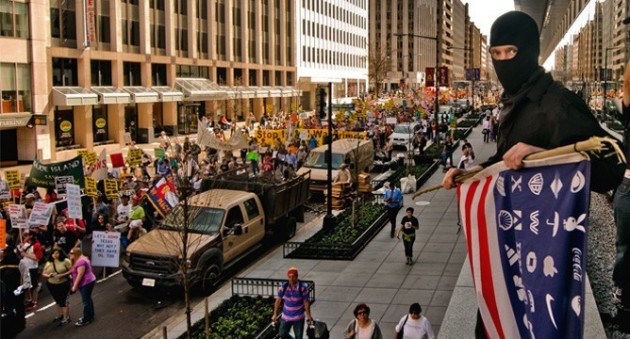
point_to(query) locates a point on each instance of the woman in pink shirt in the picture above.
(83, 280)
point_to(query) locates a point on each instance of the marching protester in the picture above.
(83, 281)
(32, 252)
(57, 270)
(11, 304)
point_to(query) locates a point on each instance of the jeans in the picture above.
(408, 243)
(285, 328)
(86, 297)
(621, 270)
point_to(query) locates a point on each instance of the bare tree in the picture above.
(379, 64)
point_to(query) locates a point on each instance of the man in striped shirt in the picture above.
(293, 295)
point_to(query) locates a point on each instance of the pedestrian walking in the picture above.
(83, 280)
(362, 326)
(393, 201)
(408, 226)
(57, 270)
(414, 325)
(296, 306)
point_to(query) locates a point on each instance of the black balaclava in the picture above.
(519, 29)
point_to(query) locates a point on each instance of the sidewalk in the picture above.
(379, 275)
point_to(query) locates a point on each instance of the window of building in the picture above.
(131, 74)
(102, 22)
(158, 37)
(15, 87)
(65, 72)
(101, 71)
(158, 75)
(157, 4)
(14, 19)
(188, 71)
(63, 22)
(131, 26)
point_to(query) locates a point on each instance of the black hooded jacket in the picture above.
(545, 114)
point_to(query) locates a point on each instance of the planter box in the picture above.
(314, 250)
(427, 174)
(256, 294)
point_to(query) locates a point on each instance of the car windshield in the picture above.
(403, 129)
(318, 160)
(205, 220)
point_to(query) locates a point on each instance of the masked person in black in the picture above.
(538, 113)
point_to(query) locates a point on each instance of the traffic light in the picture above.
(320, 102)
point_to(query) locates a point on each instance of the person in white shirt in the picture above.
(122, 211)
(414, 325)
(466, 161)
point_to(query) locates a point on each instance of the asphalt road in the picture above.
(121, 311)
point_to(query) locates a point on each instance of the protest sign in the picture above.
(90, 158)
(74, 201)
(105, 249)
(3, 233)
(17, 213)
(98, 170)
(61, 182)
(13, 178)
(40, 214)
(111, 188)
(134, 157)
(43, 175)
(117, 160)
(90, 187)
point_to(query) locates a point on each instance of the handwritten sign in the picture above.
(17, 213)
(13, 177)
(127, 138)
(74, 201)
(90, 158)
(111, 188)
(90, 187)
(134, 156)
(40, 214)
(105, 249)
(61, 182)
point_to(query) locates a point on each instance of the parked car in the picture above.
(404, 133)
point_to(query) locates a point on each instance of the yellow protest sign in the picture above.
(111, 188)
(83, 153)
(90, 158)
(270, 136)
(90, 187)
(134, 157)
(13, 178)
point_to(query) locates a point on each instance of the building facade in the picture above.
(95, 74)
(332, 36)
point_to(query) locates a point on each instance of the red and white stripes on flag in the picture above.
(525, 235)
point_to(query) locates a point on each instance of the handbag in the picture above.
(485, 131)
(401, 333)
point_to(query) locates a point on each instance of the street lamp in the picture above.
(605, 76)
(471, 70)
(437, 65)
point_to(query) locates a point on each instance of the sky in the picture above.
(484, 12)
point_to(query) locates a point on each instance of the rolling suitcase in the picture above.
(317, 330)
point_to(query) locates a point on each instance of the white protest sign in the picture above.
(40, 214)
(61, 182)
(390, 121)
(74, 201)
(105, 249)
(17, 213)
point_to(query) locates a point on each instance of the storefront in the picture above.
(64, 128)
(187, 115)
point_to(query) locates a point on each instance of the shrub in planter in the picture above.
(467, 123)
(433, 151)
(344, 233)
(461, 134)
(238, 317)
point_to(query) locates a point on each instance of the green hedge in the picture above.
(344, 233)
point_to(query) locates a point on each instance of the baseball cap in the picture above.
(292, 271)
(30, 196)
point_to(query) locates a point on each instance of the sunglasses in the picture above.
(362, 312)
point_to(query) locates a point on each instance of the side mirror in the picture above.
(238, 229)
(226, 231)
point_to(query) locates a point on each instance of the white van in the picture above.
(403, 134)
(357, 153)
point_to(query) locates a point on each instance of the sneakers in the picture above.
(31, 307)
(57, 319)
(64, 321)
(616, 295)
(409, 261)
(81, 322)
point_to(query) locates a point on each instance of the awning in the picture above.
(14, 120)
(230, 92)
(245, 92)
(142, 95)
(261, 92)
(168, 94)
(200, 89)
(111, 95)
(73, 96)
(275, 92)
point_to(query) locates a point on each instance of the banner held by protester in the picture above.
(43, 175)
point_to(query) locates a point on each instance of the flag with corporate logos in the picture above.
(526, 238)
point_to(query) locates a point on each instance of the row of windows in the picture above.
(328, 57)
(336, 12)
(65, 73)
(317, 30)
(15, 87)
(14, 19)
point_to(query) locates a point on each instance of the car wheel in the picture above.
(210, 278)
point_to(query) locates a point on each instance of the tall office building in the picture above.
(93, 71)
(332, 39)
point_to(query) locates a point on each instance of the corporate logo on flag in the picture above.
(526, 236)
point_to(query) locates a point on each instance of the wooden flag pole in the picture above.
(592, 144)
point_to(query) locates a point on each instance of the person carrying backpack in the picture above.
(296, 306)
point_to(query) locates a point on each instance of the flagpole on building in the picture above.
(593, 144)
